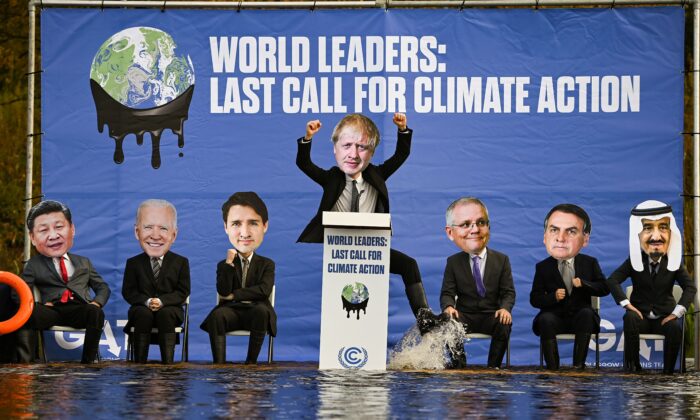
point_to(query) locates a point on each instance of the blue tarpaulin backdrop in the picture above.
(582, 106)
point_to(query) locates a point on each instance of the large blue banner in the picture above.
(524, 109)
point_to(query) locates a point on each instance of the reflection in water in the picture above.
(15, 393)
(344, 393)
(154, 390)
(295, 390)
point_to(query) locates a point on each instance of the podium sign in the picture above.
(355, 295)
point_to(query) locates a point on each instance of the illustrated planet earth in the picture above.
(139, 68)
(355, 293)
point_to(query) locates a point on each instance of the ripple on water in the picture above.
(299, 390)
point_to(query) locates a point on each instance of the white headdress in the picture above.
(653, 210)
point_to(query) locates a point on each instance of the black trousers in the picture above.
(487, 323)
(165, 319)
(633, 326)
(240, 316)
(71, 314)
(405, 266)
(550, 324)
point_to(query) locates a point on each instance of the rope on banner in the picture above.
(688, 133)
(102, 6)
(461, 7)
(162, 9)
(690, 196)
(35, 134)
(33, 72)
(612, 6)
(32, 198)
(537, 4)
(240, 5)
(41, 4)
(313, 6)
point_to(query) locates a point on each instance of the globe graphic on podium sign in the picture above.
(355, 293)
(139, 68)
(355, 298)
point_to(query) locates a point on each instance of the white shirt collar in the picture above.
(360, 180)
(481, 254)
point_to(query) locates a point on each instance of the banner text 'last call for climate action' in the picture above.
(390, 74)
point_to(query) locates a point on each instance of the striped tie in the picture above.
(155, 265)
(246, 264)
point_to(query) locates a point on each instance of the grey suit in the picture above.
(40, 272)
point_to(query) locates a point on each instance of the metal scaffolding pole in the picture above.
(173, 4)
(30, 125)
(696, 173)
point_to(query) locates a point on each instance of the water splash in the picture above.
(431, 351)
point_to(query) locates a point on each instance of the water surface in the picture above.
(299, 390)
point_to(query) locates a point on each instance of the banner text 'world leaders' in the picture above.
(341, 74)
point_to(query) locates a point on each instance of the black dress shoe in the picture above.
(458, 359)
(427, 321)
(633, 368)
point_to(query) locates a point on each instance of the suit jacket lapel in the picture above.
(149, 269)
(238, 265)
(52, 269)
(578, 269)
(371, 175)
(338, 186)
(489, 270)
(78, 267)
(466, 269)
(252, 269)
(660, 274)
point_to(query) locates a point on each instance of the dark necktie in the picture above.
(476, 272)
(244, 269)
(67, 294)
(155, 265)
(654, 270)
(566, 274)
(355, 199)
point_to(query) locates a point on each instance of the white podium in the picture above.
(355, 295)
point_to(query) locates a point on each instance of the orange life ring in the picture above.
(26, 302)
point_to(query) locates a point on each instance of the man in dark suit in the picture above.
(63, 280)
(477, 287)
(654, 265)
(564, 283)
(156, 282)
(244, 280)
(356, 185)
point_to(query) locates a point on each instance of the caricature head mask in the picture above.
(653, 210)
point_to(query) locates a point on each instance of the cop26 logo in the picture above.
(352, 357)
